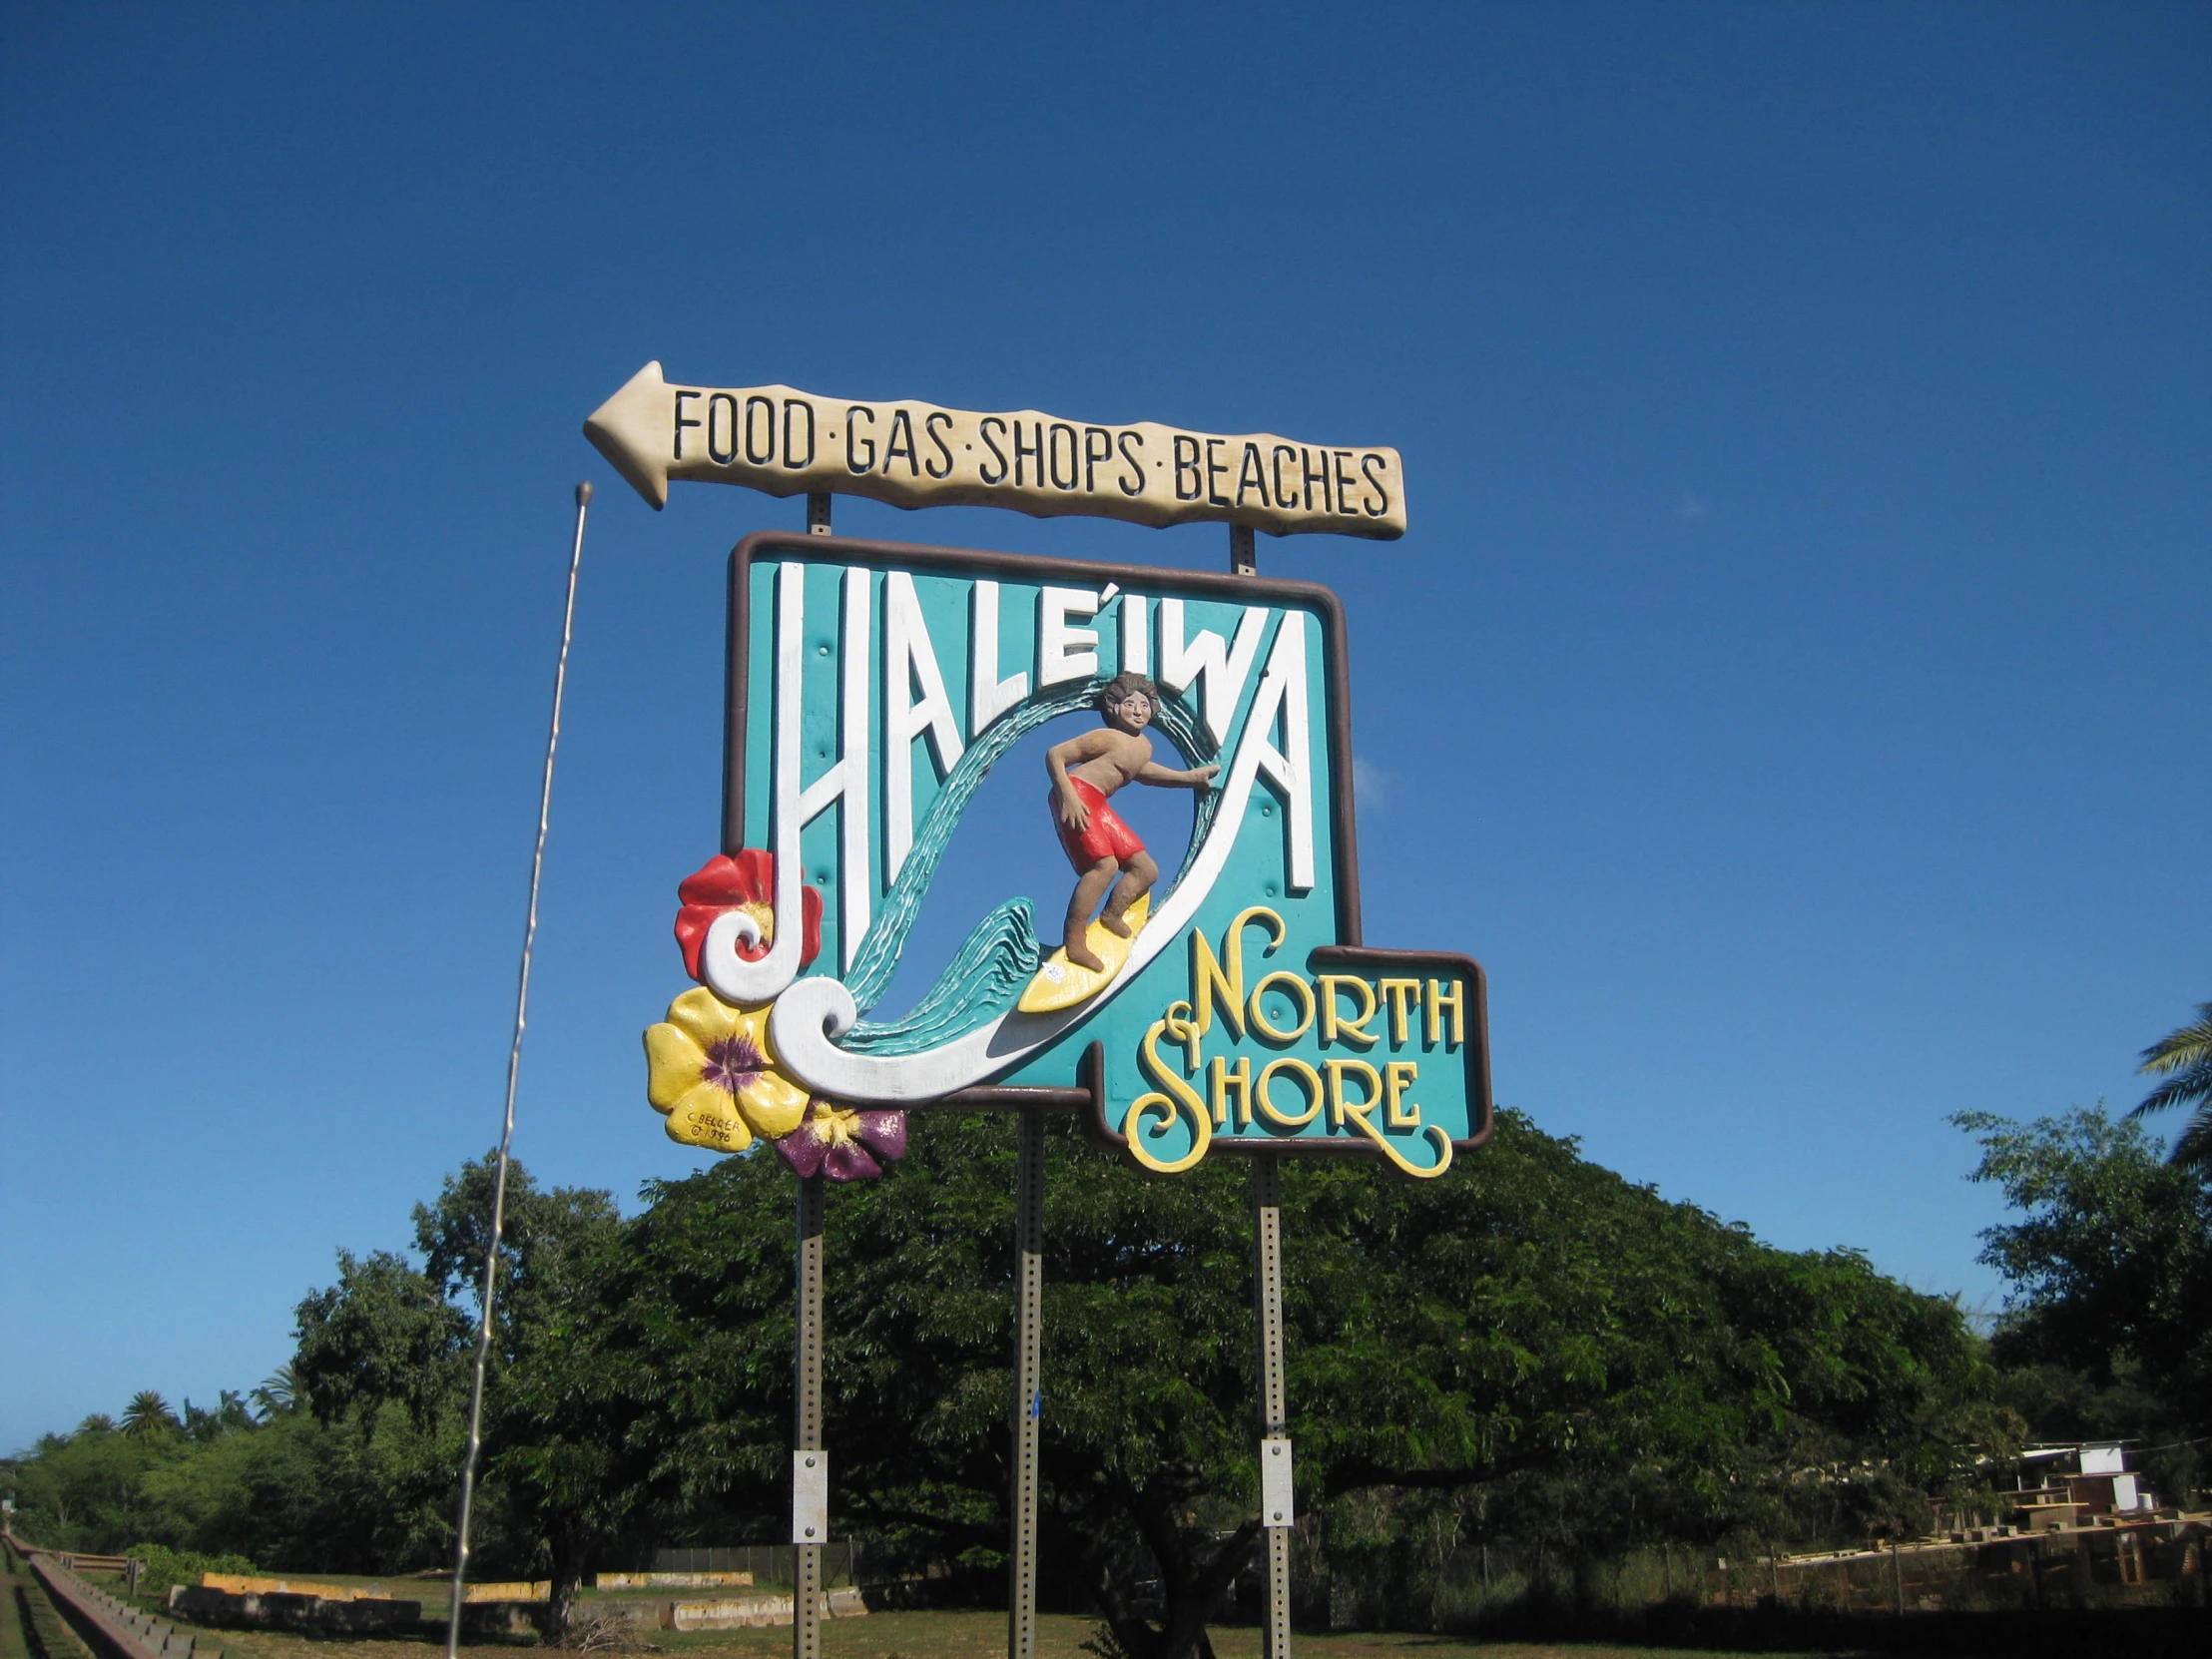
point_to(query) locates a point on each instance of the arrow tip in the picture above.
(627, 430)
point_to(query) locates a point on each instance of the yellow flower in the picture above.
(711, 1071)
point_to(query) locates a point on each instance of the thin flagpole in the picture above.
(507, 1127)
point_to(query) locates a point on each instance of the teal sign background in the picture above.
(899, 675)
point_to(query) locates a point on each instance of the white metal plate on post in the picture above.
(1274, 1484)
(810, 1498)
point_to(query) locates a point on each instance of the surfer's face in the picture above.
(1133, 712)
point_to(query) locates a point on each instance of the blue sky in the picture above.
(1791, 687)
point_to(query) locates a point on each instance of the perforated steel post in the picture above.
(807, 1432)
(1266, 1263)
(1276, 1512)
(1021, 1604)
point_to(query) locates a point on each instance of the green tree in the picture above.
(1530, 1351)
(1532, 1329)
(683, 1360)
(387, 1352)
(277, 1394)
(86, 1491)
(2110, 1266)
(2184, 1058)
(553, 1481)
(148, 1417)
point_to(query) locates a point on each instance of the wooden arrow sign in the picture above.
(915, 454)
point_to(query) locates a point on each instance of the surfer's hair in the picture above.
(1116, 692)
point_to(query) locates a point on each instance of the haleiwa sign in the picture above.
(872, 685)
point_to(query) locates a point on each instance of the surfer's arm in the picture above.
(1057, 760)
(1198, 778)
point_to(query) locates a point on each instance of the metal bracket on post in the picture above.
(1276, 1507)
(1244, 557)
(1021, 1602)
(818, 515)
(1275, 1445)
(810, 1498)
(810, 1486)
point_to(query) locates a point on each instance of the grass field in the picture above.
(12, 1642)
(968, 1636)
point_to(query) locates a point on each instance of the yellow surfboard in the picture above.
(1061, 983)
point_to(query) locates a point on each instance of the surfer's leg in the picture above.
(1137, 876)
(1088, 892)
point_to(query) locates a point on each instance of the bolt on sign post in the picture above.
(1213, 997)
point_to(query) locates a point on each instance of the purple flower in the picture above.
(732, 1064)
(843, 1144)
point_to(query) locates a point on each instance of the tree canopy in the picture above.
(2109, 1325)
(1534, 1349)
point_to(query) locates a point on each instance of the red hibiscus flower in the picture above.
(745, 883)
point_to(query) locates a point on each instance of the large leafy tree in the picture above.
(85, 1490)
(2184, 1059)
(551, 1482)
(285, 1494)
(1531, 1328)
(2111, 1265)
(387, 1352)
(1531, 1350)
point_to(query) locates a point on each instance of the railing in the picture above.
(109, 1625)
(767, 1563)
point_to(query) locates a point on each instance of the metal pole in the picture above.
(1276, 1514)
(809, 1479)
(1021, 1604)
(809, 1459)
(1267, 1252)
(490, 1282)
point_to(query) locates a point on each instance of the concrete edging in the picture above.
(112, 1628)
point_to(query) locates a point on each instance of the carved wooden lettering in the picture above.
(915, 454)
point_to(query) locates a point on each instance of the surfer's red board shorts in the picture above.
(1107, 837)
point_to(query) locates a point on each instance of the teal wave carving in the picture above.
(987, 973)
(984, 978)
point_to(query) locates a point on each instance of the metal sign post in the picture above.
(809, 1462)
(1021, 1605)
(810, 1459)
(1276, 1512)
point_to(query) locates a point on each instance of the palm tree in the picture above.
(278, 1393)
(148, 1414)
(2187, 1055)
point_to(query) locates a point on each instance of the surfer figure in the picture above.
(1085, 770)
